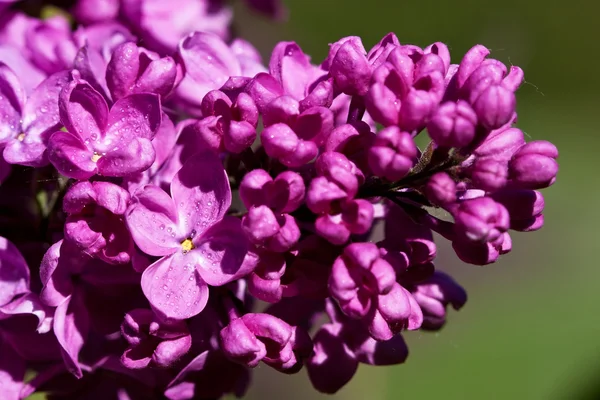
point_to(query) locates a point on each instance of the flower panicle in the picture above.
(195, 180)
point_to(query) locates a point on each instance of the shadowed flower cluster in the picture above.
(160, 184)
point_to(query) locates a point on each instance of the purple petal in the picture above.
(208, 62)
(41, 113)
(15, 59)
(122, 70)
(249, 58)
(130, 158)
(55, 276)
(12, 99)
(223, 253)
(201, 198)
(92, 66)
(28, 304)
(159, 77)
(14, 273)
(152, 221)
(292, 68)
(71, 326)
(137, 115)
(174, 286)
(83, 111)
(332, 365)
(12, 372)
(71, 157)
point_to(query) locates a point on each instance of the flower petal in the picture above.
(41, 113)
(137, 115)
(130, 158)
(12, 372)
(174, 287)
(208, 63)
(152, 221)
(83, 110)
(71, 157)
(12, 98)
(224, 255)
(71, 327)
(201, 193)
(14, 273)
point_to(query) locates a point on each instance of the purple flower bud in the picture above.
(396, 311)
(227, 126)
(263, 337)
(358, 276)
(501, 144)
(488, 174)
(470, 62)
(524, 206)
(265, 281)
(355, 217)
(478, 253)
(264, 89)
(434, 295)
(481, 219)
(513, 80)
(152, 342)
(403, 234)
(276, 232)
(534, 165)
(321, 95)
(453, 124)
(383, 100)
(133, 69)
(286, 193)
(252, 186)
(495, 106)
(348, 65)
(380, 52)
(337, 168)
(95, 220)
(429, 64)
(441, 189)
(392, 154)
(441, 50)
(322, 194)
(295, 142)
(401, 61)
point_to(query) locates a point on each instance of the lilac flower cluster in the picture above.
(175, 212)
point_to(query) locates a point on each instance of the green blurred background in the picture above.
(531, 327)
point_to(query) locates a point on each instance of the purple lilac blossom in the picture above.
(186, 181)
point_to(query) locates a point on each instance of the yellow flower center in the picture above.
(21, 137)
(187, 245)
(96, 157)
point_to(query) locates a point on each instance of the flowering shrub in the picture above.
(158, 180)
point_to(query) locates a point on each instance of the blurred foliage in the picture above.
(531, 327)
